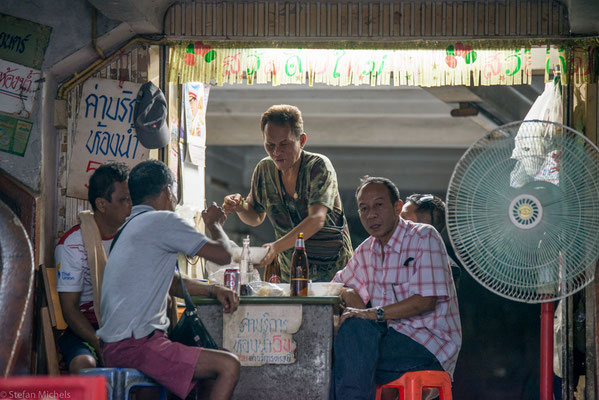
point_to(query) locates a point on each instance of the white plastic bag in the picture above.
(533, 148)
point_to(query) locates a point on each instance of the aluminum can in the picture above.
(232, 279)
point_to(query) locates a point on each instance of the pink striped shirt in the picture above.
(415, 263)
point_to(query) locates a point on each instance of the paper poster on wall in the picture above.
(195, 100)
(14, 134)
(194, 186)
(18, 85)
(262, 334)
(173, 148)
(104, 131)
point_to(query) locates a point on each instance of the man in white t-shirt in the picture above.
(108, 194)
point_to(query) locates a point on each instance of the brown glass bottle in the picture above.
(299, 268)
(272, 272)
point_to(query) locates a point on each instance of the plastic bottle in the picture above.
(244, 263)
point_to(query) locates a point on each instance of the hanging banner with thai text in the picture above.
(18, 85)
(457, 64)
(23, 42)
(104, 132)
(262, 334)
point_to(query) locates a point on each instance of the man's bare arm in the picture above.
(79, 324)
(413, 305)
(309, 226)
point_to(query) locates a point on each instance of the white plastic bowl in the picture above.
(323, 289)
(256, 254)
(285, 287)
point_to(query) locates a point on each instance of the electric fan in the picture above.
(523, 217)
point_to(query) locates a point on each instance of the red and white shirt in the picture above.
(415, 263)
(72, 271)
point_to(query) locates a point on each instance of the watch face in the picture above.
(380, 314)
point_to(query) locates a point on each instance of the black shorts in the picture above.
(72, 346)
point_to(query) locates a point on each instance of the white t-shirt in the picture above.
(72, 271)
(140, 270)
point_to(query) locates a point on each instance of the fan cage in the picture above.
(554, 168)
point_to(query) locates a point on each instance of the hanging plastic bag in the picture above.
(533, 147)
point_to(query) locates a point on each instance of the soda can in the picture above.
(232, 279)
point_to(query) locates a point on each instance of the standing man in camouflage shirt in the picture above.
(298, 191)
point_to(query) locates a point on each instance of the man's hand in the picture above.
(350, 312)
(233, 203)
(270, 255)
(214, 215)
(351, 298)
(228, 298)
(96, 345)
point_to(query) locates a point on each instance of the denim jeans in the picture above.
(369, 353)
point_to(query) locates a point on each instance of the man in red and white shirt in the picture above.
(108, 195)
(402, 311)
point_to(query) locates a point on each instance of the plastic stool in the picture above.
(120, 381)
(411, 383)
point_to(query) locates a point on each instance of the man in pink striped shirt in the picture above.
(402, 311)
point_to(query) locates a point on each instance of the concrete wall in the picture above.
(71, 31)
(71, 22)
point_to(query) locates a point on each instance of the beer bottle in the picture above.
(272, 273)
(299, 268)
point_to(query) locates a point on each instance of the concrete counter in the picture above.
(309, 376)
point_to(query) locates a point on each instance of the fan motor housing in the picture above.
(525, 211)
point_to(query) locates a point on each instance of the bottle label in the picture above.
(274, 279)
(299, 243)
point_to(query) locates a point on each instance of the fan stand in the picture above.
(546, 381)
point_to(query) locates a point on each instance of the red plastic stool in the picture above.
(411, 383)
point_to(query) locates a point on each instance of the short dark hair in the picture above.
(429, 205)
(147, 179)
(101, 183)
(284, 114)
(393, 190)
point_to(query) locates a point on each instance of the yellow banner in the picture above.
(458, 64)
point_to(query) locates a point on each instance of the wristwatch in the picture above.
(380, 314)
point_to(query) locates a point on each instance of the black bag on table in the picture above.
(190, 329)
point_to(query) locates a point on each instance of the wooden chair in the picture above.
(51, 319)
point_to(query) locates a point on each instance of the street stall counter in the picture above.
(284, 344)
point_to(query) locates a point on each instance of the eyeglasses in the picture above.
(427, 198)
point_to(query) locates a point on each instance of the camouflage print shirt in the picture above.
(316, 184)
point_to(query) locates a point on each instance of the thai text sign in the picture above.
(104, 132)
(14, 135)
(457, 64)
(23, 42)
(18, 85)
(262, 334)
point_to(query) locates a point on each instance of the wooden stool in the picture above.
(411, 383)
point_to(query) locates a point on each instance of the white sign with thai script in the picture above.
(18, 85)
(262, 334)
(104, 131)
